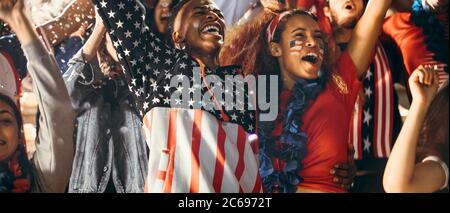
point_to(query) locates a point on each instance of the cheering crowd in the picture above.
(226, 96)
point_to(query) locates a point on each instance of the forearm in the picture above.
(366, 33)
(399, 172)
(54, 152)
(23, 28)
(93, 43)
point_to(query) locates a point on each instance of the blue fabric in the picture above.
(110, 145)
(293, 141)
(66, 50)
(6, 179)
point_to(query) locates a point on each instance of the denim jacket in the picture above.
(110, 146)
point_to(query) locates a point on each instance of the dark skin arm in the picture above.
(344, 173)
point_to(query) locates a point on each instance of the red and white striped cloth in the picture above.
(383, 110)
(192, 151)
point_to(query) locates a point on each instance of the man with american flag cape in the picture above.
(199, 146)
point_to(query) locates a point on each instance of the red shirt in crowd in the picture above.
(326, 122)
(411, 41)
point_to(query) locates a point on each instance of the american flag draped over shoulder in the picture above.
(192, 149)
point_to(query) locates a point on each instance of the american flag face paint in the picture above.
(295, 47)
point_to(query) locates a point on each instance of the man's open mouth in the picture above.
(165, 16)
(311, 58)
(349, 6)
(212, 29)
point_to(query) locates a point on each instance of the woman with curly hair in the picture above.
(310, 134)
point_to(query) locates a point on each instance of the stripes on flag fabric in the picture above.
(295, 46)
(191, 151)
(372, 124)
(192, 148)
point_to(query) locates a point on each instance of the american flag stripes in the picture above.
(295, 46)
(191, 149)
(217, 158)
(372, 124)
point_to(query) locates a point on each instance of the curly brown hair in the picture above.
(246, 45)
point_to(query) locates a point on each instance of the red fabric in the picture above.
(274, 24)
(151, 3)
(410, 39)
(326, 123)
(318, 5)
(21, 182)
(305, 3)
(382, 100)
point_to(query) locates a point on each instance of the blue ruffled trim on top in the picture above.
(6, 179)
(293, 141)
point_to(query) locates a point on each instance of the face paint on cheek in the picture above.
(196, 25)
(322, 50)
(295, 47)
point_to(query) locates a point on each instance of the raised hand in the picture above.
(344, 173)
(424, 84)
(12, 12)
(9, 9)
(438, 5)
